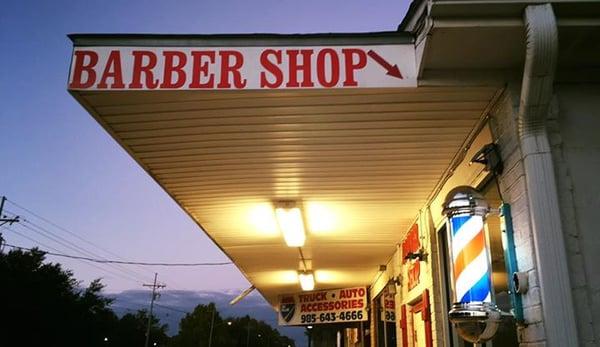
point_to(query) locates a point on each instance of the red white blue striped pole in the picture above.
(466, 209)
(470, 258)
(473, 312)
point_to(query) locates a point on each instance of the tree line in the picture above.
(44, 305)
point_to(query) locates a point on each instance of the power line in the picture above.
(55, 238)
(106, 261)
(171, 308)
(129, 308)
(49, 253)
(74, 247)
(63, 229)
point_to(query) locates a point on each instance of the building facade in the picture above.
(366, 135)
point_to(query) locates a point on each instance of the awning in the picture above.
(359, 161)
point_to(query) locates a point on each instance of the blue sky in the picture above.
(56, 161)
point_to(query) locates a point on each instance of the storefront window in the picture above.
(386, 319)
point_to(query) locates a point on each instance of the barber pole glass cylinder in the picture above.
(466, 209)
(473, 313)
(470, 259)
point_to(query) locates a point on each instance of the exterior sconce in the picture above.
(473, 313)
(391, 287)
(420, 255)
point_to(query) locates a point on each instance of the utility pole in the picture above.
(212, 324)
(248, 334)
(154, 286)
(4, 219)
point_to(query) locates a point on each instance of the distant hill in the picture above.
(174, 304)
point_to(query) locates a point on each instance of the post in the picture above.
(212, 324)
(154, 287)
(3, 220)
(248, 335)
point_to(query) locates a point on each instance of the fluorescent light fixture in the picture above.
(307, 280)
(290, 223)
(242, 295)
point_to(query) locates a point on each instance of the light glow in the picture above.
(262, 220)
(321, 218)
(291, 225)
(307, 280)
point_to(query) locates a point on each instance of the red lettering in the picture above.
(272, 68)
(200, 69)
(361, 292)
(171, 68)
(352, 66)
(231, 62)
(334, 68)
(112, 70)
(139, 68)
(81, 66)
(294, 68)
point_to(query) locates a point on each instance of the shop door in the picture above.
(418, 327)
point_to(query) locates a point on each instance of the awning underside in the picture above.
(361, 162)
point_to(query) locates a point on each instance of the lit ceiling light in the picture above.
(307, 280)
(290, 223)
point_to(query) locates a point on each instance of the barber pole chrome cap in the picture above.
(474, 314)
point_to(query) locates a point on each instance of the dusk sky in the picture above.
(58, 162)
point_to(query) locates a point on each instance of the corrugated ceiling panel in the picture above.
(370, 158)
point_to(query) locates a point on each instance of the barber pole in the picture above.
(473, 313)
(470, 257)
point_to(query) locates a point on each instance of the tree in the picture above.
(131, 331)
(195, 327)
(43, 304)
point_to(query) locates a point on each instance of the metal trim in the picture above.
(241, 40)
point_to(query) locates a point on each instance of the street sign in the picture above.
(235, 68)
(326, 306)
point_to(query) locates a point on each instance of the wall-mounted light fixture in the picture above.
(397, 280)
(289, 218)
(489, 155)
(307, 280)
(419, 255)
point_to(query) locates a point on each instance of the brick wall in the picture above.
(503, 123)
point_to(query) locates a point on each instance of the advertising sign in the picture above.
(411, 244)
(234, 68)
(326, 306)
(388, 305)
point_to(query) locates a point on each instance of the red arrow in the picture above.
(392, 70)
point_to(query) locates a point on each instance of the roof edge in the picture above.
(242, 40)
